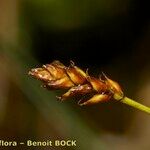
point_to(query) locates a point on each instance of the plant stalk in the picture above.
(135, 104)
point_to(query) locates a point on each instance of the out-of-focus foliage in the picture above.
(66, 14)
(99, 34)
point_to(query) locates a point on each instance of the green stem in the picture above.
(135, 104)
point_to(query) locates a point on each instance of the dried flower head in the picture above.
(78, 82)
(57, 76)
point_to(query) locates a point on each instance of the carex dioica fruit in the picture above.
(77, 82)
(56, 76)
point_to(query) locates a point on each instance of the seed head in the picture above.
(57, 76)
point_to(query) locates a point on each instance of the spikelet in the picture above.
(56, 76)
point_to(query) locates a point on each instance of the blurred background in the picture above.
(112, 36)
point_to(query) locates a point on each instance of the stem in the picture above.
(135, 104)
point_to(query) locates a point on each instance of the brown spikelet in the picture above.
(57, 76)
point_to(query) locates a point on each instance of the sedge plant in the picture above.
(77, 82)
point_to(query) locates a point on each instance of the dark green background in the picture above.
(103, 35)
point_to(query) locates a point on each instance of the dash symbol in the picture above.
(21, 143)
